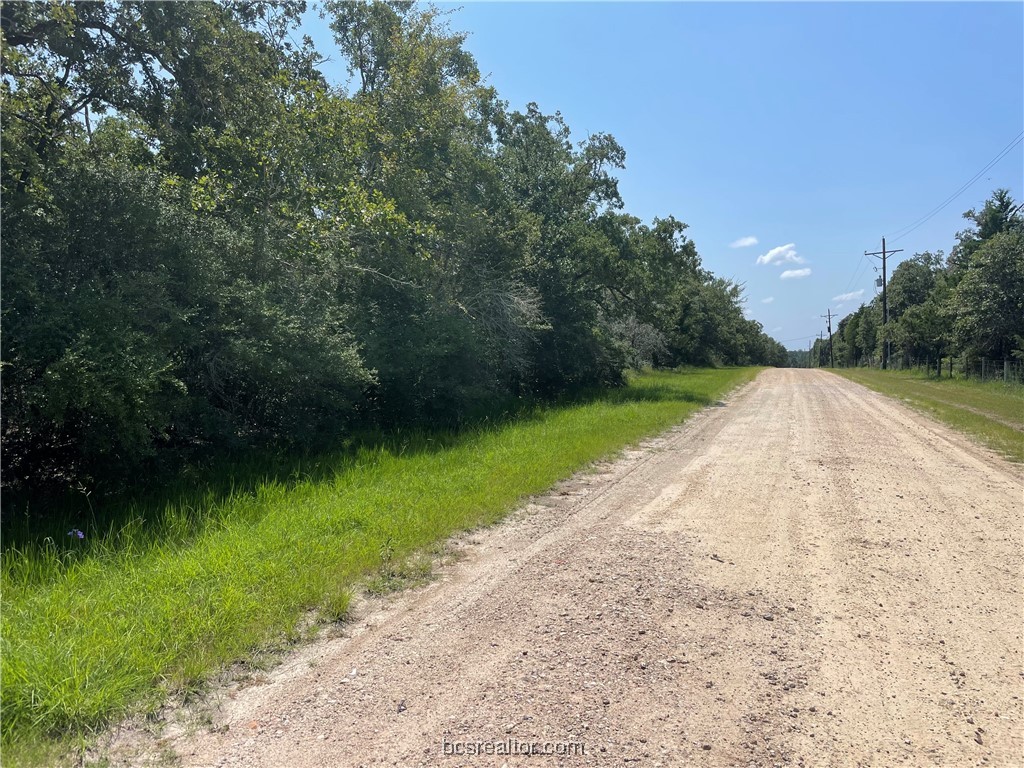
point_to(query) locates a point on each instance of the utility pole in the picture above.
(831, 356)
(885, 300)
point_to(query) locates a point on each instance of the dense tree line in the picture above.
(967, 306)
(208, 246)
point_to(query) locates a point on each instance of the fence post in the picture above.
(1006, 371)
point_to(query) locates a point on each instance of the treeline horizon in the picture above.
(208, 247)
(966, 306)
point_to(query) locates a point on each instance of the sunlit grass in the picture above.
(98, 627)
(991, 411)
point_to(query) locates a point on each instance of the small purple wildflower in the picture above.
(76, 533)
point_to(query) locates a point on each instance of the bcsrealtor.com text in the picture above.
(512, 747)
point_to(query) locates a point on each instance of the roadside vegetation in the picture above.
(266, 334)
(962, 313)
(991, 411)
(108, 624)
(210, 248)
(225, 276)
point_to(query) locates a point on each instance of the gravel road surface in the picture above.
(808, 573)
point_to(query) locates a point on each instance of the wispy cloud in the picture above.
(793, 274)
(769, 300)
(783, 254)
(743, 242)
(776, 329)
(839, 306)
(849, 296)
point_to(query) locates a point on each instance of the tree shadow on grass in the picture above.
(649, 394)
(138, 516)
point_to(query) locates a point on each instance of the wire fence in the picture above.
(994, 370)
(978, 369)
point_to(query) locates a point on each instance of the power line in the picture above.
(858, 270)
(853, 277)
(799, 338)
(901, 233)
(910, 228)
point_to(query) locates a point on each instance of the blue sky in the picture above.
(815, 128)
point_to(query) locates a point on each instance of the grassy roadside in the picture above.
(98, 627)
(990, 411)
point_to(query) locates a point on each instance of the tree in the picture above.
(999, 214)
(912, 281)
(917, 305)
(208, 247)
(988, 302)
(868, 326)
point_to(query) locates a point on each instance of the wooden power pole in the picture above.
(885, 299)
(831, 355)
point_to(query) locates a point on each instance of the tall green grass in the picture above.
(95, 628)
(990, 411)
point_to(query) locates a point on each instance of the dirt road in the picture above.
(809, 574)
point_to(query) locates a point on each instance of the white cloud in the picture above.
(769, 300)
(792, 274)
(839, 306)
(783, 254)
(776, 329)
(743, 242)
(849, 296)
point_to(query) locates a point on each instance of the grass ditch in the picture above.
(98, 627)
(990, 411)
